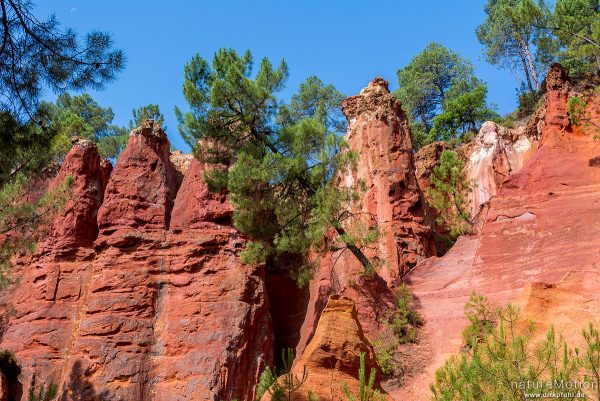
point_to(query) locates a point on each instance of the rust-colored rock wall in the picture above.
(158, 306)
(51, 286)
(538, 244)
(379, 133)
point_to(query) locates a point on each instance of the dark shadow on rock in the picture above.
(287, 305)
(374, 289)
(79, 388)
(11, 371)
(595, 162)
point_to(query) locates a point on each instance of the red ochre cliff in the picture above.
(538, 245)
(139, 293)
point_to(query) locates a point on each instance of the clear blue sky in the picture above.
(345, 43)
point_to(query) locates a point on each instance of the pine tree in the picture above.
(365, 387)
(514, 39)
(283, 158)
(442, 96)
(506, 364)
(465, 112)
(82, 116)
(576, 24)
(150, 111)
(37, 54)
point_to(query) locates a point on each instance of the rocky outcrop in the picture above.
(115, 336)
(51, 287)
(213, 334)
(379, 133)
(493, 155)
(139, 294)
(538, 245)
(333, 355)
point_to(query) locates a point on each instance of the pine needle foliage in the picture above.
(43, 392)
(280, 159)
(42, 54)
(448, 192)
(506, 364)
(365, 389)
(284, 387)
(23, 222)
(481, 319)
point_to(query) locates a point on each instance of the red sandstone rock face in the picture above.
(196, 206)
(49, 297)
(538, 245)
(495, 154)
(159, 306)
(213, 330)
(378, 131)
(332, 356)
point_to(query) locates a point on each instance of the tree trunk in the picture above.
(531, 65)
(527, 77)
(362, 258)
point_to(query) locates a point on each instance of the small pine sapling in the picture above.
(365, 389)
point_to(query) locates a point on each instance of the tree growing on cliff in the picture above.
(576, 25)
(440, 84)
(112, 145)
(514, 38)
(36, 55)
(424, 85)
(464, 112)
(150, 111)
(23, 222)
(82, 116)
(282, 158)
(447, 193)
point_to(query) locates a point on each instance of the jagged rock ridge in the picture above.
(158, 306)
(379, 133)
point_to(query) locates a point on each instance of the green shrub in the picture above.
(43, 393)
(266, 380)
(9, 366)
(406, 319)
(577, 112)
(507, 365)
(385, 350)
(401, 327)
(576, 109)
(447, 193)
(481, 320)
(527, 101)
(283, 388)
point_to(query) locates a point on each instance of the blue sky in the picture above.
(345, 43)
